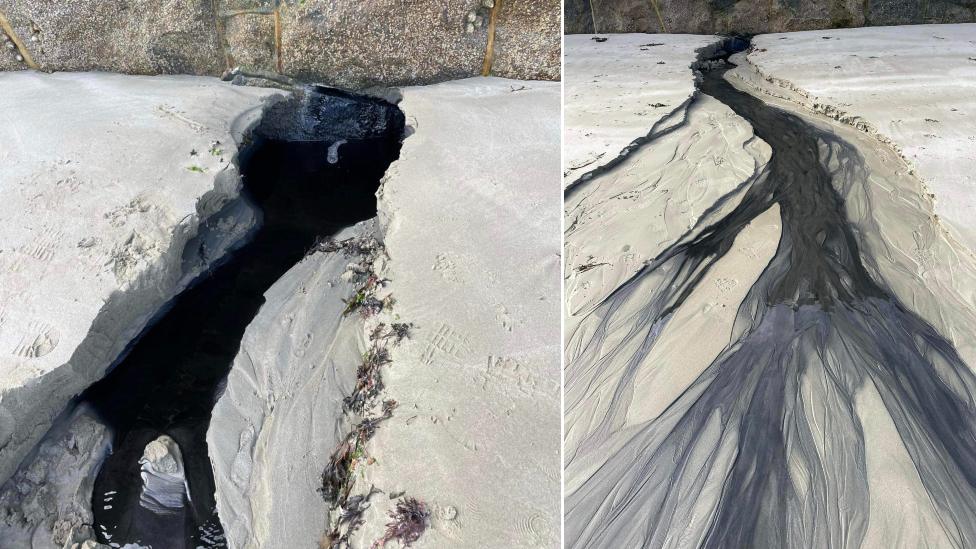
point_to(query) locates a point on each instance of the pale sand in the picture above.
(618, 90)
(470, 230)
(280, 417)
(703, 326)
(916, 252)
(911, 86)
(697, 332)
(99, 214)
(658, 195)
(903, 240)
(907, 241)
(470, 213)
(904, 514)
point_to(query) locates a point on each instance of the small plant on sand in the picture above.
(354, 303)
(367, 249)
(410, 519)
(370, 307)
(196, 169)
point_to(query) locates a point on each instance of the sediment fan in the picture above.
(755, 452)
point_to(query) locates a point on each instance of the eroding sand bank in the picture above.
(280, 417)
(471, 225)
(472, 262)
(116, 191)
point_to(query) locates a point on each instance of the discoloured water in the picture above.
(765, 448)
(306, 187)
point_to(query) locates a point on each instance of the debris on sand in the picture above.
(368, 249)
(338, 477)
(588, 266)
(410, 519)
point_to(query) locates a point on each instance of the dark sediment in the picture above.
(170, 378)
(814, 330)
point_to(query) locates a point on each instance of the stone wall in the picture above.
(757, 16)
(347, 43)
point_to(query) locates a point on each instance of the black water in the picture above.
(168, 381)
(814, 330)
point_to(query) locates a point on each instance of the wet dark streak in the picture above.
(662, 127)
(812, 331)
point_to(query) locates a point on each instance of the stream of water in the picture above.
(313, 168)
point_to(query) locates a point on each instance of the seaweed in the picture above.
(338, 476)
(410, 520)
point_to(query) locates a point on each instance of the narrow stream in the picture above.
(772, 420)
(313, 168)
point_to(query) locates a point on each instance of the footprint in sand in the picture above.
(40, 340)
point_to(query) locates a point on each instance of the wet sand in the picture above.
(755, 447)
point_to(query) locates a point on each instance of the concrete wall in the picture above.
(757, 16)
(348, 43)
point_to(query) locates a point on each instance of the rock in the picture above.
(164, 489)
(389, 43)
(112, 167)
(348, 44)
(48, 502)
(128, 36)
(578, 17)
(628, 16)
(250, 41)
(711, 16)
(527, 40)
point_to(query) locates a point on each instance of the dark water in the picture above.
(816, 328)
(168, 382)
